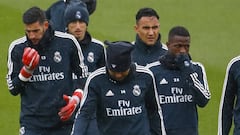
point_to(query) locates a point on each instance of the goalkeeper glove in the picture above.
(72, 102)
(30, 60)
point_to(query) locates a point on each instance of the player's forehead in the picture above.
(148, 20)
(33, 26)
(181, 39)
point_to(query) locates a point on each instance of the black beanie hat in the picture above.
(76, 12)
(118, 57)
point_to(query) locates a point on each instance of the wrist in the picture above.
(25, 74)
(77, 95)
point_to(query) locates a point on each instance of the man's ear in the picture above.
(167, 43)
(135, 28)
(46, 24)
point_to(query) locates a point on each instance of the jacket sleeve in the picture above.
(87, 112)
(14, 65)
(78, 66)
(154, 109)
(199, 86)
(229, 93)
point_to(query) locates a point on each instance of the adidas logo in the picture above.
(163, 81)
(109, 93)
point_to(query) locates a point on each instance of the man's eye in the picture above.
(180, 46)
(155, 27)
(33, 31)
(146, 28)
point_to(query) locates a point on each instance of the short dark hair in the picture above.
(33, 15)
(143, 12)
(178, 31)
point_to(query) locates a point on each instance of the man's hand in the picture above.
(185, 65)
(30, 60)
(183, 62)
(72, 102)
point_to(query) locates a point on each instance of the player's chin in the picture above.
(35, 42)
(150, 42)
(119, 78)
(78, 36)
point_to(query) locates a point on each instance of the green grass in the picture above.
(213, 25)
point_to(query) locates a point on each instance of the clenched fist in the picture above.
(30, 60)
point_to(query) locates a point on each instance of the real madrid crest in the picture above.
(136, 90)
(90, 57)
(57, 57)
(78, 15)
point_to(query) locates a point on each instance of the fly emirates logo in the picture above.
(124, 109)
(45, 74)
(176, 97)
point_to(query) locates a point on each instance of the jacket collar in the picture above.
(86, 40)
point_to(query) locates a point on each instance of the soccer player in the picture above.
(228, 109)
(182, 85)
(55, 13)
(77, 20)
(119, 94)
(40, 68)
(148, 46)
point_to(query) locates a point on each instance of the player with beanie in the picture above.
(76, 12)
(77, 19)
(120, 94)
(55, 13)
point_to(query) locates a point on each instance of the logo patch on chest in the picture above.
(90, 57)
(109, 93)
(163, 81)
(57, 57)
(136, 90)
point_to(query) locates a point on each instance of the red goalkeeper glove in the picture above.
(72, 102)
(30, 60)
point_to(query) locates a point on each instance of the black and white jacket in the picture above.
(230, 104)
(42, 96)
(120, 107)
(179, 95)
